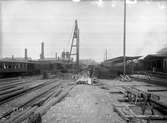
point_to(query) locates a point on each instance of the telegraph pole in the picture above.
(1, 41)
(124, 40)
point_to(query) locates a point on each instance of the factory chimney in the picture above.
(12, 57)
(42, 51)
(56, 55)
(25, 55)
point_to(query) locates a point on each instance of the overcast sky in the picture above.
(26, 24)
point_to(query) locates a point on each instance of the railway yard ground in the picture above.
(63, 100)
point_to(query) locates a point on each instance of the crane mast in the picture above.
(75, 45)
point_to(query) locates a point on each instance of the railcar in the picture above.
(13, 67)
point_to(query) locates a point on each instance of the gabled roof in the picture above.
(155, 56)
(120, 59)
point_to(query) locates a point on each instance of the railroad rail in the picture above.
(35, 99)
(6, 97)
(39, 103)
(2, 80)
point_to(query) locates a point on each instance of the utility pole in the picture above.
(75, 44)
(124, 40)
(1, 41)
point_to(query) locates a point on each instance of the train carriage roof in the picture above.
(15, 61)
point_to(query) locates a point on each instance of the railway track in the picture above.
(7, 88)
(42, 98)
(13, 83)
(8, 79)
(16, 84)
(9, 96)
(37, 99)
(9, 82)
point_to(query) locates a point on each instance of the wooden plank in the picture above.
(138, 92)
(120, 113)
(151, 117)
(126, 113)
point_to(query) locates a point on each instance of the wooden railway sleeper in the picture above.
(142, 98)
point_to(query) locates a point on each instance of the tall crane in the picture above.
(75, 45)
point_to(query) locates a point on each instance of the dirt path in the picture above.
(85, 104)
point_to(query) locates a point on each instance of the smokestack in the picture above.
(63, 55)
(42, 51)
(25, 55)
(56, 55)
(12, 57)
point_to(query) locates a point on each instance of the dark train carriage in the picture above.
(43, 66)
(33, 68)
(53, 66)
(12, 67)
(15, 67)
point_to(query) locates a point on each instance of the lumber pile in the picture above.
(127, 114)
(142, 98)
(138, 96)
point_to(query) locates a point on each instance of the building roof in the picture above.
(120, 59)
(151, 57)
